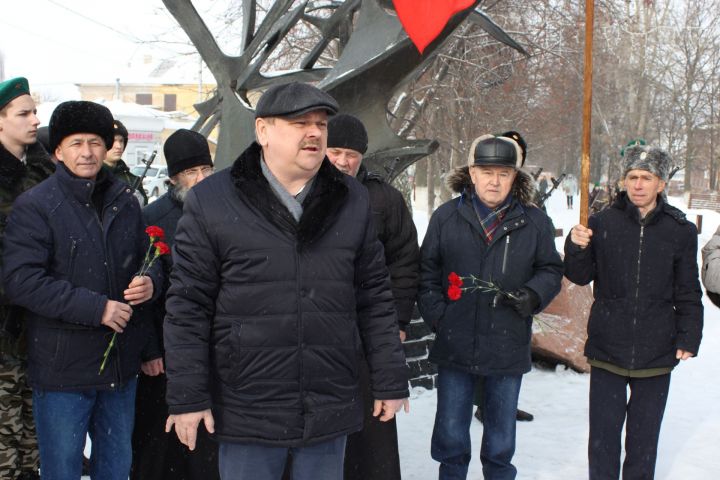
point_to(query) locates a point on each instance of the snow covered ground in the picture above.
(554, 445)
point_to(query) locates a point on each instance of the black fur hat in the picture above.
(122, 131)
(645, 157)
(186, 149)
(347, 131)
(520, 141)
(79, 116)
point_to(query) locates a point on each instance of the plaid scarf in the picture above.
(490, 219)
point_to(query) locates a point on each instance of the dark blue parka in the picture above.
(267, 318)
(471, 334)
(63, 265)
(646, 285)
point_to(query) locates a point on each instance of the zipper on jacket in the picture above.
(116, 348)
(300, 343)
(505, 253)
(637, 293)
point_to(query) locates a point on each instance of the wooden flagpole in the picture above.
(587, 112)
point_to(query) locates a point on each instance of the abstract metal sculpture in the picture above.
(376, 57)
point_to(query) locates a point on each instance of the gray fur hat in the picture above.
(645, 157)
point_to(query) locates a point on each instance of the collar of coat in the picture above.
(320, 208)
(523, 188)
(82, 188)
(38, 166)
(623, 203)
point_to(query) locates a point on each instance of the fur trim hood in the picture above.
(523, 189)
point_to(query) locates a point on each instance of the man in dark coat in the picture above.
(158, 455)
(73, 247)
(641, 254)
(488, 264)
(117, 165)
(23, 164)
(372, 453)
(273, 296)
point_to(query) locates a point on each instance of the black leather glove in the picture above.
(524, 301)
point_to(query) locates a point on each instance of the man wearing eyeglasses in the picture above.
(157, 455)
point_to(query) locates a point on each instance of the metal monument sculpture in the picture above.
(376, 57)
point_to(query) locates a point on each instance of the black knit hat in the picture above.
(43, 136)
(497, 151)
(81, 117)
(186, 149)
(122, 131)
(346, 131)
(294, 99)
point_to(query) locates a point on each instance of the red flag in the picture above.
(423, 20)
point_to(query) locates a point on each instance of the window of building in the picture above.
(143, 98)
(170, 102)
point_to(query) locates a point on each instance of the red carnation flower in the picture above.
(161, 248)
(454, 292)
(155, 233)
(455, 279)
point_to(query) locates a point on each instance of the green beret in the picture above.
(13, 88)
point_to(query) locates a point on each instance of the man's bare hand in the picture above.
(186, 425)
(683, 354)
(388, 408)
(153, 368)
(140, 290)
(403, 335)
(580, 235)
(116, 315)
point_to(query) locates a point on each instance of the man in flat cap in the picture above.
(117, 165)
(488, 264)
(372, 453)
(641, 254)
(157, 455)
(73, 247)
(23, 164)
(272, 299)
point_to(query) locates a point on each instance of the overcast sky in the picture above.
(58, 41)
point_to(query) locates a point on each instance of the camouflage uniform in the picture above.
(18, 445)
(122, 172)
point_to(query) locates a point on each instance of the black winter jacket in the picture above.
(396, 231)
(164, 213)
(62, 265)
(646, 285)
(471, 334)
(266, 317)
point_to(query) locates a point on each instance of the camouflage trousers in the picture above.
(18, 443)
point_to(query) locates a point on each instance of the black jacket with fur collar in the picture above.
(473, 334)
(266, 316)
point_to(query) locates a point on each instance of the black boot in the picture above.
(523, 416)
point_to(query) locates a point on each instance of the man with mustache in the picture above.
(278, 282)
(157, 455)
(23, 164)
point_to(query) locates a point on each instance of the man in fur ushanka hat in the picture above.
(488, 264)
(641, 254)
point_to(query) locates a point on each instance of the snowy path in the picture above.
(554, 446)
